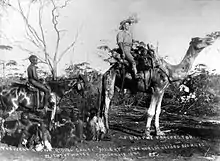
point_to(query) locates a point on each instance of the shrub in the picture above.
(201, 86)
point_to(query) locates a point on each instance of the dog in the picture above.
(95, 128)
(64, 134)
(35, 135)
(29, 132)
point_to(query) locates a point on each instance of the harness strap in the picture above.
(168, 77)
(149, 81)
(127, 44)
(3, 103)
(123, 76)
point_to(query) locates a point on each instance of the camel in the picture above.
(153, 81)
(21, 96)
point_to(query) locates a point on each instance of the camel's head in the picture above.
(201, 43)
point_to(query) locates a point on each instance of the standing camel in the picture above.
(153, 81)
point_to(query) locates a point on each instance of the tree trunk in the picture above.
(54, 73)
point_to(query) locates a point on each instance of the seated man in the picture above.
(124, 41)
(33, 79)
(34, 134)
(27, 130)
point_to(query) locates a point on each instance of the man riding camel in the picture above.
(33, 79)
(124, 41)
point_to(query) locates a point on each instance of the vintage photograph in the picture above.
(109, 80)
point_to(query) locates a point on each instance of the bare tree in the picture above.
(3, 3)
(37, 36)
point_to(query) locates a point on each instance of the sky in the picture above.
(171, 24)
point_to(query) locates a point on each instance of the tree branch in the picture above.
(68, 48)
(42, 31)
(65, 4)
(24, 49)
(30, 32)
(55, 25)
(37, 38)
(40, 23)
(29, 8)
(30, 28)
(29, 38)
(48, 62)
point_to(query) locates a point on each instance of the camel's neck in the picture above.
(180, 71)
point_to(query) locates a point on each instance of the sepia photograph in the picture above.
(109, 80)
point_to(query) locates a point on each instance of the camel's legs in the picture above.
(151, 112)
(107, 104)
(109, 93)
(158, 110)
(109, 83)
(2, 130)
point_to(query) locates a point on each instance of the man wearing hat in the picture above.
(33, 79)
(124, 41)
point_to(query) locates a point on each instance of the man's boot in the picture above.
(37, 100)
(135, 71)
(46, 100)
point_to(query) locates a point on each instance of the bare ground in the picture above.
(187, 138)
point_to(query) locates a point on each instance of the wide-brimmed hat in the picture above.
(142, 44)
(129, 20)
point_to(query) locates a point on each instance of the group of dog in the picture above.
(28, 131)
(74, 128)
(68, 129)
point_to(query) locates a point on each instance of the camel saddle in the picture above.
(38, 96)
(144, 58)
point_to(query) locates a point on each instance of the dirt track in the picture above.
(185, 139)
